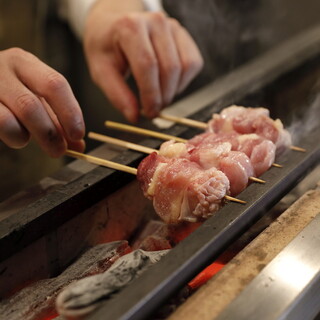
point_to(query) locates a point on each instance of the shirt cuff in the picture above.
(75, 12)
(153, 5)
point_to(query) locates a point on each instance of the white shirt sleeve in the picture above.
(153, 5)
(75, 12)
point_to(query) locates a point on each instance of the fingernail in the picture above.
(131, 115)
(156, 110)
(78, 131)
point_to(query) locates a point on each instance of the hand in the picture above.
(157, 50)
(37, 101)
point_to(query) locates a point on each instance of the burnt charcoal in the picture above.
(155, 243)
(157, 235)
(38, 300)
(153, 228)
(84, 296)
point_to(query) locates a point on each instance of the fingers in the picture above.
(53, 124)
(189, 54)
(77, 145)
(29, 110)
(12, 133)
(162, 56)
(106, 73)
(135, 43)
(159, 52)
(167, 55)
(55, 89)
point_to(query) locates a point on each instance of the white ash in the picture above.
(84, 296)
(37, 301)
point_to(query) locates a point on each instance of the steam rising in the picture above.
(308, 123)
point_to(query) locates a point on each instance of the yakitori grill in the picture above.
(258, 259)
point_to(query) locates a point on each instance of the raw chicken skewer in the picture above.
(151, 133)
(221, 122)
(137, 147)
(200, 185)
(180, 189)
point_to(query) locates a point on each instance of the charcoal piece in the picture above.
(157, 235)
(153, 237)
(155, 243)
(38, 300)
(84, 296)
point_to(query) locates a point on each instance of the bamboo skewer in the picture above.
(101, 162)
(185, 121)
(150, 133)
(258, 180)
(145, 132)
(121, 143)
(137, 147)
(121, 167)
(235, 199)
(203, 125)
(299, 149)
(276, 165)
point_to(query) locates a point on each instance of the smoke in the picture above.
(308, 123)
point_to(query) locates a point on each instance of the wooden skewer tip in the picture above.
(185, 121)
(294, 148)
(276, 165)
(254, 179)
(145, 132)
(101, 162)
(235, 200)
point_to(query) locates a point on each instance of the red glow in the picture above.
(181, 231)
(205, 275)
(50, 317)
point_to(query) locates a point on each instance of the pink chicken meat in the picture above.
(245, 120)
(189, 181)
(180, 189)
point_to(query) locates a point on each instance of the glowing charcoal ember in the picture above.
(37, 301)
(179, 232)
(157, 233)
(153, 236)
(155, 243)
(205, 275)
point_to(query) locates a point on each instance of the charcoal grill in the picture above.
(282, 79)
